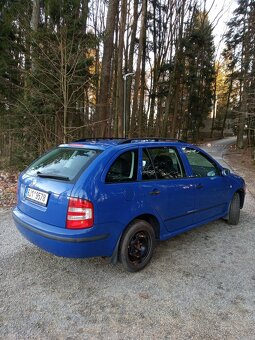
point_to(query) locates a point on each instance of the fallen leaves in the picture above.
(8, 185)
(144, 295)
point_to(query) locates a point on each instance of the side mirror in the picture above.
(225, 172)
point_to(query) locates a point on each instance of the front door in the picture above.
(212, 188)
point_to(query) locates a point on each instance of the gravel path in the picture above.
(199, 285)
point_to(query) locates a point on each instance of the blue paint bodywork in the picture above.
(182, 204)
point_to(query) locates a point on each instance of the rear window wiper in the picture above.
(45, 175)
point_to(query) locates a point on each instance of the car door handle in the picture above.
(155, 192)
(199, 186)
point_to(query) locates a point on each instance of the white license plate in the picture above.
(37, 196)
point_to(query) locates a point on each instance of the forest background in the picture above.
(70, 69)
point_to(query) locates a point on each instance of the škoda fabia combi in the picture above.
(117, 197)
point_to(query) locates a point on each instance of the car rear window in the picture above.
(124, 168)
(63, 163)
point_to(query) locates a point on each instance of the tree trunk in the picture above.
(227, 106)
(179, 58)
(214, 101)
(130, 62)
(103, 103)
(138, 71)
(120, 92)
(85, 11)
(141, 114)
(114, 71)
(34, 22)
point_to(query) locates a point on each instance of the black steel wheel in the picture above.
(137, 245)
(234, 210)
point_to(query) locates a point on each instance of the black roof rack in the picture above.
(97, 139)
(154, 139)
(122, 140)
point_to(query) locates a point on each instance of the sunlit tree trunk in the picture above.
(131, 61)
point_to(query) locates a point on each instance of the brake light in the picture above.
(80, 214)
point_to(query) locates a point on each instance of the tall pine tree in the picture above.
(199, 71)
(240, 41)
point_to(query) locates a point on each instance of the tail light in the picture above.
(80, 214)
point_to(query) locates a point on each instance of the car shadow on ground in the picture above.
(33, 259)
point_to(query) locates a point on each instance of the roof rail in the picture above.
(97, 139)
(155, 139)
(122, 140)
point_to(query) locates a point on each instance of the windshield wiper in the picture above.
(44, 175)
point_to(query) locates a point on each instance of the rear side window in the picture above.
(161, 163)
(124, 168)
(62, 163)
(201, 166)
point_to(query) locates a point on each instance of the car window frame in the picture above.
(177, 151)
(210, 159)
(113, 159)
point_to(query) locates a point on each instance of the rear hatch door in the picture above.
(44, 188)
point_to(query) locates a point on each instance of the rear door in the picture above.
(116, 198)
(165, 187)
(44, 188)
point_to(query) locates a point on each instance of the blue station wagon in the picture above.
(116, 198)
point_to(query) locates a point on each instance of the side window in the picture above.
(124, 168)
(165, 164)
(201, 166)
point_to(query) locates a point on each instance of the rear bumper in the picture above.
(61, 241)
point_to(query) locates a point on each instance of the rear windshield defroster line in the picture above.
(63, 163)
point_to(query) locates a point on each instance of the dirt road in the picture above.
(199, 285)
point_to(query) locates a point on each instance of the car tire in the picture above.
(137, 244)
(234, 210)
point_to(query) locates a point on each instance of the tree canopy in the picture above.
(62, 65)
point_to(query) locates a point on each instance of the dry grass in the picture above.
(242, 162)
(8, 185)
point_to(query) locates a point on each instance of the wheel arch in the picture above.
(150, 218)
